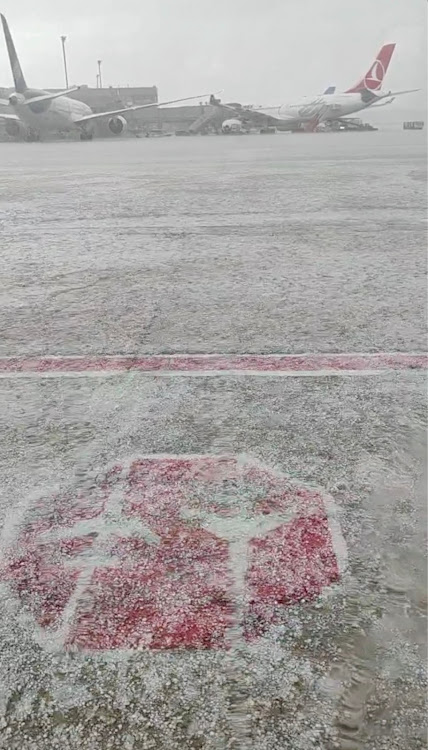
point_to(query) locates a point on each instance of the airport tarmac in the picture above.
(213, 443)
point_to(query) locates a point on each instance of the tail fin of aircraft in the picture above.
(330, 90)
(18, 76)
(373, 79)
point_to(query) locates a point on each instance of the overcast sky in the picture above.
(258, 51)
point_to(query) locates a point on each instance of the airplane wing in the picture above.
(135, 108)
(271, 108)
(388, 95)
(48, 97)
(330, 90)
(383, 103)
(399, 93)
(247, 112)
(220, 105)
(4, 116)
(236, 109)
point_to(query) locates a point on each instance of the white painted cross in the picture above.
(239, 529)
(105, 529)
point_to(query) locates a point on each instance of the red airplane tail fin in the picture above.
(373, 79)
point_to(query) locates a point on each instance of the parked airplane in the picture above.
(38, 112)
(309, 112)
(235, 125)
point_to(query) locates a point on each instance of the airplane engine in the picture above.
(117, 125)
(14, 128)
(231, 126)
(16, 99)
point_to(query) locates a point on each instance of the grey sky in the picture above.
(260, 52)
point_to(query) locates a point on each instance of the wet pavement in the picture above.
(221, 555)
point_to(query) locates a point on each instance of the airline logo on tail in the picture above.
(373, 79)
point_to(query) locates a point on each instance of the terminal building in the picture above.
(104, 99)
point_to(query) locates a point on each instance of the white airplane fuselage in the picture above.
(325, 107)
(49, 116)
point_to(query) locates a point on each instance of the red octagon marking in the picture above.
(173, 551)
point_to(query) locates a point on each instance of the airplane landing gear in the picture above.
(84, 136)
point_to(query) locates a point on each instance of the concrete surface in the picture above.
(284, 244)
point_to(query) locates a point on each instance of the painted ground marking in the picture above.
(214, 364)
(167, 552)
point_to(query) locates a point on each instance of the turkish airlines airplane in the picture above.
(234, 125)
(310, 112)
(39, 112)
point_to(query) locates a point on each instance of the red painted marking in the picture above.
(152, 556)
(289, 564)
(215, 362)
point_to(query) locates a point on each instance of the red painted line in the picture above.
(195, 363)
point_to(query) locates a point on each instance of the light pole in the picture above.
(99, 73)
(63, 40)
